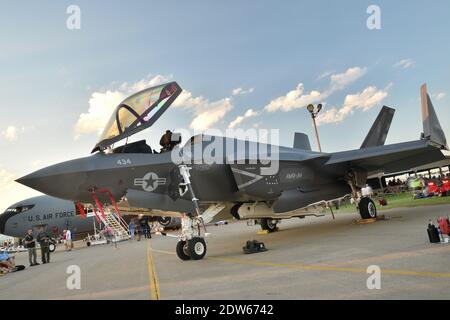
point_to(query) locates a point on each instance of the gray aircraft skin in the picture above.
(238, 180)
(53, 214)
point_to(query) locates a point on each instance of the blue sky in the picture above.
(51, 75)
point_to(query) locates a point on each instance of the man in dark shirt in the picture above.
(145, 227)
(44, 241)
(30, 244)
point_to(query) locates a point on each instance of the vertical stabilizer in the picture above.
(301, 141)
(432, 130)
(380, 128)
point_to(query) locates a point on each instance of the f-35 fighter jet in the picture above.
(213, 178)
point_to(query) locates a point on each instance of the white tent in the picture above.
(5, 238)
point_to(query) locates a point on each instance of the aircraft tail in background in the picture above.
(380, 128)
(432, 129)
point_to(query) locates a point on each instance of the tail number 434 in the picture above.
(123, 162)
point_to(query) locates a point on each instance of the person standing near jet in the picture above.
(44, 241)
(131, 228)
(143, 222)
(148, 231)
(30, 244)
(68, 240)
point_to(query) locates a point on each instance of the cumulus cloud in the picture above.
(439, 96)
(211, 114)
(10, 133)
(364, 100)
(330, 116)
(248, 114)
(297, 98)
(294, 99)
(144, 83)
(240, 91)
(404, 63)
(101, 106)
(103, 103)
(206, 113)
(187, 101)
(325, 74)
(341, 80)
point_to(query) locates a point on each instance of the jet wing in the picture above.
(138, 112)
(389, 158)
(268, 175)
(399, 156)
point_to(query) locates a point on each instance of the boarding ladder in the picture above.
(110, 218)
(117, 225)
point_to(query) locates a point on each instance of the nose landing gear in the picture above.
(182, 250)
(192, 245)
(196, 248)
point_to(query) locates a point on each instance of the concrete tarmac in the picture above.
(312, 258)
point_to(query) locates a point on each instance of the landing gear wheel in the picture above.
(164, 221)
(196, 248)
(182, 251)
(367, 208)
(51, 247)
(269, 224)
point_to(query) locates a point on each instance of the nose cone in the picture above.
(62, 180)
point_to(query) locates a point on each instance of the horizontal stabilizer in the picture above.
(301, 141)
(380, 128)
(432, 130)
(388, 158)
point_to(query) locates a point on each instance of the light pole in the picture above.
(314, 112)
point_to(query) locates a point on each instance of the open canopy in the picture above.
(138, 112)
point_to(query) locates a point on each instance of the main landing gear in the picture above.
(268, 224)
(365, 205)
(367, 208)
